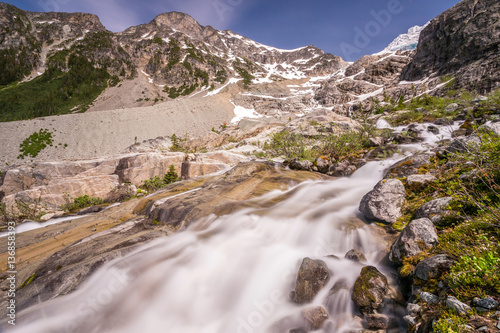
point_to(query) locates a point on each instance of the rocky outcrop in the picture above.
(369, 290)
(384, 202)
(417, 236)
(311, 278)
(463, 42)
(53, 183)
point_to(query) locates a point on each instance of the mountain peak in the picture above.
(176, 20)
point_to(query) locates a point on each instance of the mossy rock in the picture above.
(369, 289)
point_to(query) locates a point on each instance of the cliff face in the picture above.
(464, 42)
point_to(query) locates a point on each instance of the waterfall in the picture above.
(228, 274)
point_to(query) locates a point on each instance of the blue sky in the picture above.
(332, 25)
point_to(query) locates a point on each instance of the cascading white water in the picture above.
(230, 274)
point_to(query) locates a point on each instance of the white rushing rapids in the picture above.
(230, 274)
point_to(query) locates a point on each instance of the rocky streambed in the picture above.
(258, 248)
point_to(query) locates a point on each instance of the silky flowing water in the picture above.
(228, 274)
(231, 274)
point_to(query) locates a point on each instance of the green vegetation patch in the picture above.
(157, 182)
(35, 143)
(80, 202)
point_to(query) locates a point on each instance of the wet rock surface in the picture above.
(311, 278)
(369, 290)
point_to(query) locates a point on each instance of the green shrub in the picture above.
(156, 182)
(35, 143)
(80, 203)
(247, 77)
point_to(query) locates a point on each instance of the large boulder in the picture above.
(384, 202)
(433, 210)
(416, 237)
(311, 278)
(433, 267)
(370, 289)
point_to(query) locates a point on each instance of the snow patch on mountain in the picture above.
(405, 42)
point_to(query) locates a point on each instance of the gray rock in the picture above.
(384, 202)
(342, 169)
(494, 127)
(462, 144)
(433, 129)
(486, 303)
(433, 267)
(434, 209)
(443, 122)
(413, 309)
(479, 99)
(411, 320)
(415, 237)
(300, 165)
(455, 304)
(418, 181)
(377, 141)
(377, 321)
(322, 164)
(410, 165)
(429, 298)
(315, 317)
(90, 210)
(452, 107)
(370, 289)
(355, 255)
(298, 330)
(311, 278)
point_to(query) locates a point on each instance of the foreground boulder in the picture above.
(384, 202)
(416, 237)
(311, 278)
(369, 290)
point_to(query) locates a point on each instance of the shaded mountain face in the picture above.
(464, 41)
(172, 48)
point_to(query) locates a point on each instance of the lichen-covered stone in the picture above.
(370, 289)
(415, 237)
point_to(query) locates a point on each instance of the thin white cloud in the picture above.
(113, 15)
